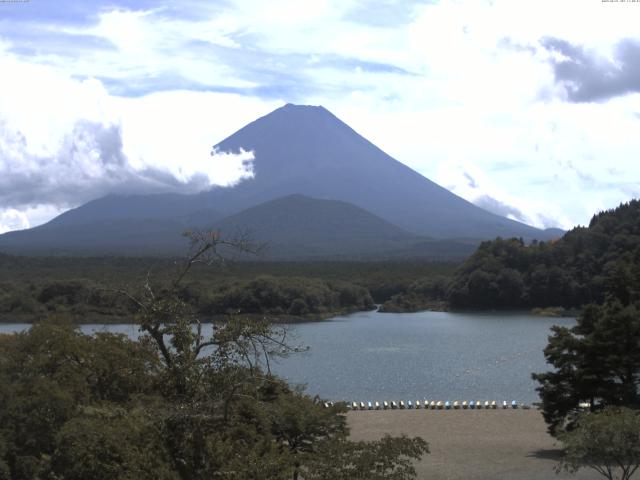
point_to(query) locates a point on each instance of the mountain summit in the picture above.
(307, 150)
(300, 152)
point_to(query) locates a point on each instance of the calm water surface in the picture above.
(437, 355)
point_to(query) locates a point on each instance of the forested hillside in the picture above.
(584, 266)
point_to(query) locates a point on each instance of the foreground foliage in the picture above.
(175, 404)
(596, 361)
(607, 442)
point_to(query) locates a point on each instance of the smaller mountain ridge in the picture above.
(297, 225)
(301, 227)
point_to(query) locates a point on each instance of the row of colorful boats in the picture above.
(433, 405)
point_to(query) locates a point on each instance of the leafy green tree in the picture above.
(596, 361)
(49, 375)
(110, 443)
(390, 458)
(301, 423)
(607, 441)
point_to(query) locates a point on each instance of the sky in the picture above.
(527, 108)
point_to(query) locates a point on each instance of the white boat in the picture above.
(432, 405)
(362, 406)
(456, 404)
(369, 406)
(326, 404)
(487, 405)
(394, 405)
(514, 404)
(493, 404)
(377, 405)
(465, 405)
(401, 403)
(472, 405)
(479, 404)
(385, 405)
(447, 405)
(354, 405)
(504, 404)
(409, 404)
(439, 405)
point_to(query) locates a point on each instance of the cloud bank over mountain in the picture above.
(534, 98)
(90, 163)
(65, 141)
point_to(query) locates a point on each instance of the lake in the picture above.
(408, 356)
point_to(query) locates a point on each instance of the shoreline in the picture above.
(218, 318)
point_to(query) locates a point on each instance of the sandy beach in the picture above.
(472, 444)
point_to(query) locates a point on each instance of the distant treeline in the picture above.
(92, 289)
(585, 266)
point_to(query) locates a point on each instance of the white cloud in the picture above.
(482, 99)
(65, 141)
(12, 219)
(91, 162)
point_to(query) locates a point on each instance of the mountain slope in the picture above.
(307, 150)
(116, 225)
(298, 150)
(166, 206)
(112, 237)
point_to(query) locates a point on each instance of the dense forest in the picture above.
(90, 289)
(584, 266)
